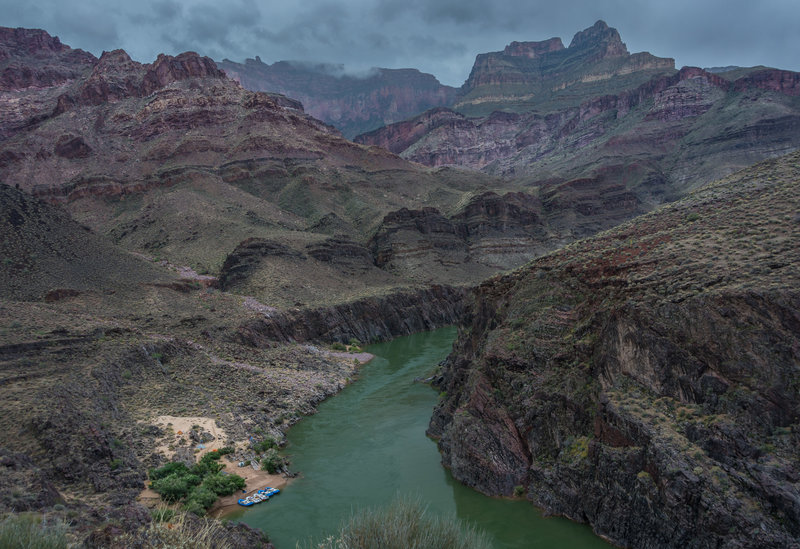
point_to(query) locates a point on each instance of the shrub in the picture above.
(200, 500)
(271, 461)
(405, 523)
(168, 469)
(183, 531)
(223, 485)
(27, 530)
(208, 465)
(265, 444)
(519, 491)
(336, 346)
(173, 487)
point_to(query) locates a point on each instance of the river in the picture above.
(368, 444)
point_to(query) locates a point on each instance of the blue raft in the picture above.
(261, 495)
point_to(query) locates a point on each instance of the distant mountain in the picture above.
(546, 76)
(544, 115)
(352, 103)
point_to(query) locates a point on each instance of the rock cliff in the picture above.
(645, 380)
(545, 75)
(659, 139)
(352, 103)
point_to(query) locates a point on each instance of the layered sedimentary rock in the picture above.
(352, 103)
(645, 380)
(545, 114)
(492, 231)
(545, 75)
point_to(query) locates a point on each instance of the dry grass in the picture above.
(404, 524)
(32, 531)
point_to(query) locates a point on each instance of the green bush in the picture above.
(208, 465)
(201, 499)
(265, 445)
(199, 486)
(336, 346)
(168, 469)
(224, 485)
(173, 487)
(27, 530)
(404, 523)
(271, 461)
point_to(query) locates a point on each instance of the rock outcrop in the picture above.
(33, 58)
(644, 380)
(377, 318)
(545, 75)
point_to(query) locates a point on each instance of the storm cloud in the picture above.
(437, 36)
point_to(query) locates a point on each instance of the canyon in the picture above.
(174, 243)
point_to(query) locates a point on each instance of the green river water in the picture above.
(368, 444)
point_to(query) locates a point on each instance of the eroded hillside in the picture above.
(645, 380)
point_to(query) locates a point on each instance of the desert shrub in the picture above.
(265, 444)
(181, 531)
(28, 530)
(226, 450)
(404, 523)
(336, 346)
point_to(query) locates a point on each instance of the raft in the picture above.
(261, 495)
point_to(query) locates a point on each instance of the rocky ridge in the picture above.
(657, 131)
(545, 76)
(644, 380)
(352, 103)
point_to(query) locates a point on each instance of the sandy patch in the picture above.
(178, 428)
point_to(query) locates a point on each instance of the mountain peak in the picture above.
(533, 49)
(29, 40)
(600, 36)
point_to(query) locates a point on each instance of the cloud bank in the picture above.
(441, 37)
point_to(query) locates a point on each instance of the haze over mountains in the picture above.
(168, 233)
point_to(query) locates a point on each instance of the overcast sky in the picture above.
(437, 36)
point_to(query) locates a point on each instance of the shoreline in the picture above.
(177, 430)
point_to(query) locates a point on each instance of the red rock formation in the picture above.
(33, 58)
(785, 82)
